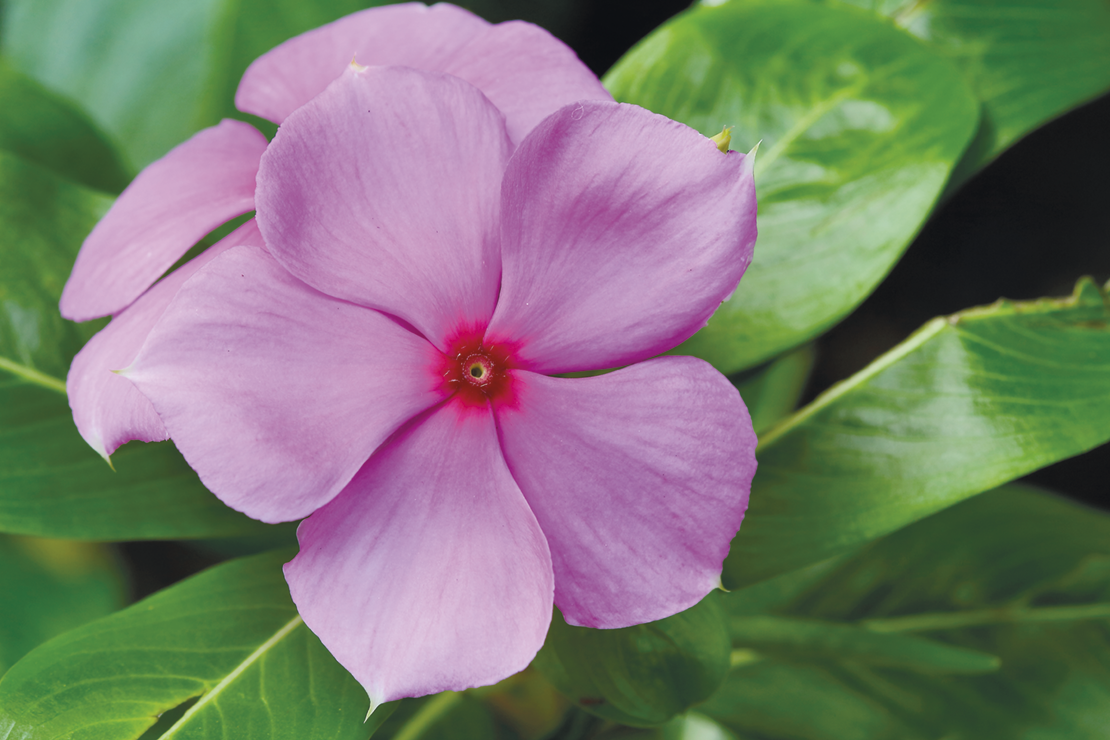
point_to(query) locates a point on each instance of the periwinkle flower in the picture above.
(379, 354)
(525, 71)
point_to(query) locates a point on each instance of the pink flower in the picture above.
(384, 367)
(206, 181)
(377, 355)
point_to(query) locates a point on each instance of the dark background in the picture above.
(1027, 226)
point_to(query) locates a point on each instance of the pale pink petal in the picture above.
(428, 572)
(168, 208)
(639, 478)
(275, 393)
(384, 191)
(107, 408)
(622, 231)
(526, 72)
(413, 35)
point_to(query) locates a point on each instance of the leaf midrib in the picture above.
(929, 621)
(247, 662)
(32, 375)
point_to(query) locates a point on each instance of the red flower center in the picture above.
(476, 373)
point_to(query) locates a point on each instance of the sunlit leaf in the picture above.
(860, 126)
(151, 74)
(967, 403)
(228, 639)
(1027, 60)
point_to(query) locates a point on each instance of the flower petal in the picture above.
(412, 35)
(383, 190)
(199, 185)
(526, 72)
(622, 231)
(274, 393)
(108, 409)
(428, 572)
(639, 478)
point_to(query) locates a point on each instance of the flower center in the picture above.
(479, 370)
(476, 373)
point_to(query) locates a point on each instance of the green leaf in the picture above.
(771, 392)
(1027, 60)
(446, 716)
(860, 126)
(804, 638)
(51, 586)
(152, 74)
(43, 128)
(967, 403)
(230, 638)
(642, 675)
(1013, 572)
(43, 219)
(54, 485)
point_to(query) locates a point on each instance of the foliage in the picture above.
(876, 591)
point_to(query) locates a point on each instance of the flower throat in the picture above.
(476, 373)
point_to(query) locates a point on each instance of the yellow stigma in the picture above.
(355, 65)
(723, 139)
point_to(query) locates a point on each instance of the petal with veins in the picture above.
(622, 232)
(428, 572)
(275, 393)
(107, 408)
(639, 478)
(168, 208)
(383, 191)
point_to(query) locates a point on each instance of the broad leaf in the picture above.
(1027, 60)
(772, 391)
(860, 126)
(43, 219)
(1014, 573)
(807, 639)
(53, 484)
(44, 129)
(49, 587)
(446, 716)
(228, 638)
(642, 675)
(151, 74)
(967, 403)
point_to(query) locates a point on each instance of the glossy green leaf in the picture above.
(967, 403)
(446, 716)
(49, 587)
(771, 392)
(53, 484)
(230, 638)
(1027, 60)
(43, 219)
(804, 638)
(860, 126)
(1014, 572)
(152, 74)
(43, 128)
(642, 675)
